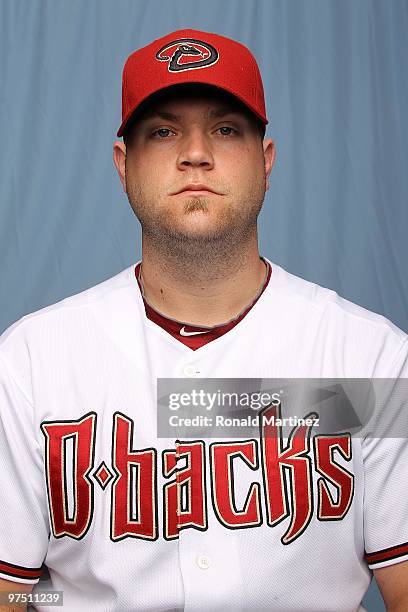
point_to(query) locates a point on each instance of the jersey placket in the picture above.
(208, 554)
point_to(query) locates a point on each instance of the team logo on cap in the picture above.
(187, 54)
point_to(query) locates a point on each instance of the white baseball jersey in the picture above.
(89, 490)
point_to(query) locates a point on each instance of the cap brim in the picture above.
(138, 108)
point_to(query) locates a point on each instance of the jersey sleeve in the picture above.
(385, 459)
(24, 531)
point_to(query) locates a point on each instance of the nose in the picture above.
(195, 151)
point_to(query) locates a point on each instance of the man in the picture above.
(125, 519)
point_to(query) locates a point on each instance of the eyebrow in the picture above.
(218, 113)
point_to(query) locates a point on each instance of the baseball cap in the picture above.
(191, 56)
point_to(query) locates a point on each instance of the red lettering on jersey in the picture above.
(222, 455)
(134, 499)
(69, 461)
(340, 478)
(184, 499)
(65, 474)
(295, 458)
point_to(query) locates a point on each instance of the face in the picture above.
(195, 170)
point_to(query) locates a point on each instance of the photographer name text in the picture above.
(248, 421)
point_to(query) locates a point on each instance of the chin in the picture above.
(201, 223)
(204, 235)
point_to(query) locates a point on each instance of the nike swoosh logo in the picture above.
(183, 332)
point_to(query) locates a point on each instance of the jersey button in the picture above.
(190, 371)
(203, 562)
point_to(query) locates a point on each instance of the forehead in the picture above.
(178, 99)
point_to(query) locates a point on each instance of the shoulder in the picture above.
(321, 300)
(75, 314)
(324, 318)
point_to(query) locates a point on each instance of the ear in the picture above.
(269, 156)
(119, 159)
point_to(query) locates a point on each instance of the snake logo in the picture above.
(187, 54)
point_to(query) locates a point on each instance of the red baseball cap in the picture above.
(191, 56)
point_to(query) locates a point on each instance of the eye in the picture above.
(226, 130)
(162, 133)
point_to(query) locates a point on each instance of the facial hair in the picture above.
(209, 252)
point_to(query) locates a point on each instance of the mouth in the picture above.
(195, 192)
(196, 189)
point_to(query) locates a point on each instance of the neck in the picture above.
(203, 288)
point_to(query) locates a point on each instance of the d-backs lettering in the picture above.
(134, 489)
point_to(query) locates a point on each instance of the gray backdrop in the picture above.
(336, 83)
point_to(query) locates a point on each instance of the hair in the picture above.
(195, 89)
